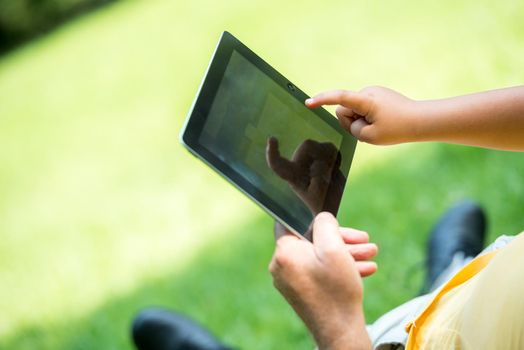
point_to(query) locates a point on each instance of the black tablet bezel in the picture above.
(197, 117)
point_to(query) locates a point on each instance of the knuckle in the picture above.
(272, 268)
(345, 95)
(282, 259)
(284, 242)
(340, 93)
(371, 90)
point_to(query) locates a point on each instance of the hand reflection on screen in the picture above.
(313, 173)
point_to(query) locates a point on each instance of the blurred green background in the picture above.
(23, 20)
(102, 212)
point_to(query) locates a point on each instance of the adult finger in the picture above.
(282, 231)
(366, 268)
(283, 254)
(353, 236)
(358, 102)
(326, 234)
(279, 230)
(364, 251)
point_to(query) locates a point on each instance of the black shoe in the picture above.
(159, 329)
(461, 229)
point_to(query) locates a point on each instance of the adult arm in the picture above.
(322, 283)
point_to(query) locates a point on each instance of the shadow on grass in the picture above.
(228, 288)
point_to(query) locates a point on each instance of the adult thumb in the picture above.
(326, 234)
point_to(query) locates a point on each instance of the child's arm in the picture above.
(381, 116)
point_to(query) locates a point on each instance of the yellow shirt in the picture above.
(481, 307)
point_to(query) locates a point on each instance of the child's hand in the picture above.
(375, 115)
(492, 119)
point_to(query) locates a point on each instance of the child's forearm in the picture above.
(493, 119)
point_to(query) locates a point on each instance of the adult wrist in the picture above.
(349, 334)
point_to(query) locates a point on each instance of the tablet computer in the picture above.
(249, 123)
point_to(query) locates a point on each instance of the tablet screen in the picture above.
(272, 146)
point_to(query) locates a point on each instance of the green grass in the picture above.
(102, 212)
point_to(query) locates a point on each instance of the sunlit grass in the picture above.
(102, 211)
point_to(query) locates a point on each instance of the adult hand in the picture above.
(356, 242)
(313, 172)
(322, 283)
(374, 115)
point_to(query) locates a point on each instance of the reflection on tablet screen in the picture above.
(276, 143)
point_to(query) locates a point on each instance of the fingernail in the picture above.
(309, 101)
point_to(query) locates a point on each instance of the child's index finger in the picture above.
(357, 101)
